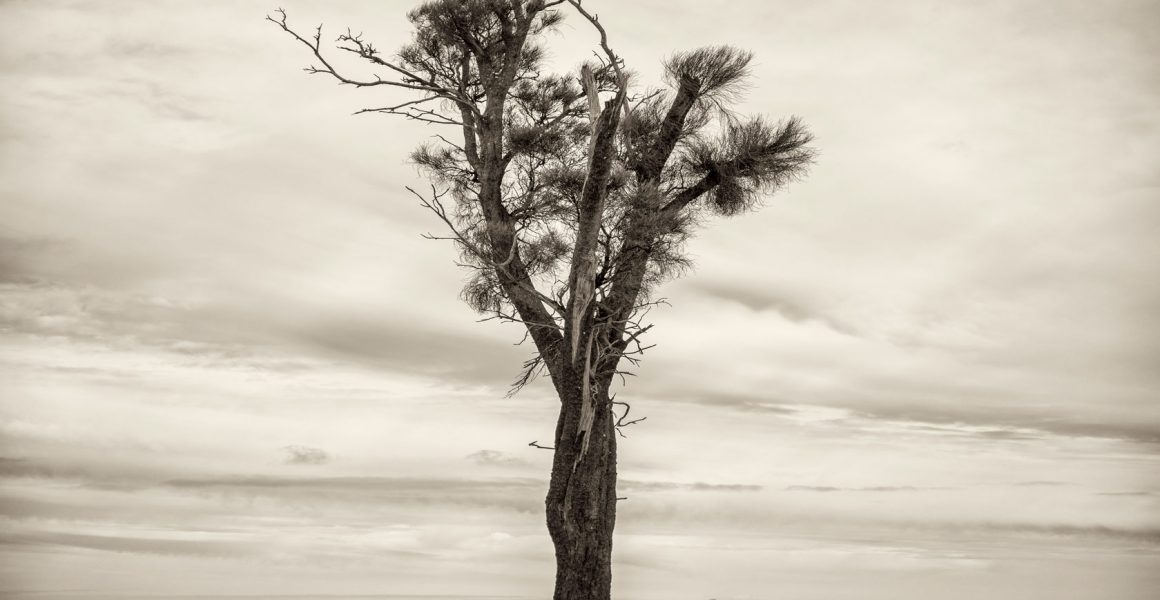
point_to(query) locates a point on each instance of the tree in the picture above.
(569, 199)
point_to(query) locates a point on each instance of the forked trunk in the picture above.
(581, 502)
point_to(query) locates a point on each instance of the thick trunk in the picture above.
(581, 502)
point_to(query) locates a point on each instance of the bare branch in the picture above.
(411, 82)
(620, 421)
(612, 58)
(410, 111)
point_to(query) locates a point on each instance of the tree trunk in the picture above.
(581, 502)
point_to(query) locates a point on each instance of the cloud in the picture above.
(1148, 535)
(250, 336)
(491, 458)
(20, 467)
(372, 484)
(738, 401)
(1018, 424)
(524, 495)
(934, 414)
(305, 455)
(22, 257)
(792, 309)
(665, 486)
(407, 347)
(12, 467)
(138, 545)
(876, 488)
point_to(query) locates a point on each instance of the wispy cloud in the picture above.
(663, 486)
(793, 309)
(873, 488)
(511, 493)
(135, 545)
(495, 458)
(306, 455)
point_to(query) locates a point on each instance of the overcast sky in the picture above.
(229, 364)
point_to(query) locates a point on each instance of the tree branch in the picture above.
(315, 47)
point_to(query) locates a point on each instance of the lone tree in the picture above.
(570, 198)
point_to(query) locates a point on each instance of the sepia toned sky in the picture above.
(230, 365)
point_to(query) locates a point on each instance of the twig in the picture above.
(620, 421)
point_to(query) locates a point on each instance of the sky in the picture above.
(230, 365)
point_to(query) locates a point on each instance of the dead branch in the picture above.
(614, 60)
(412, 81)
(620, 421)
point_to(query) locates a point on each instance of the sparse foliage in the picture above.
(570, 198)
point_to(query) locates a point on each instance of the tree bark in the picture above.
(581, 501)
